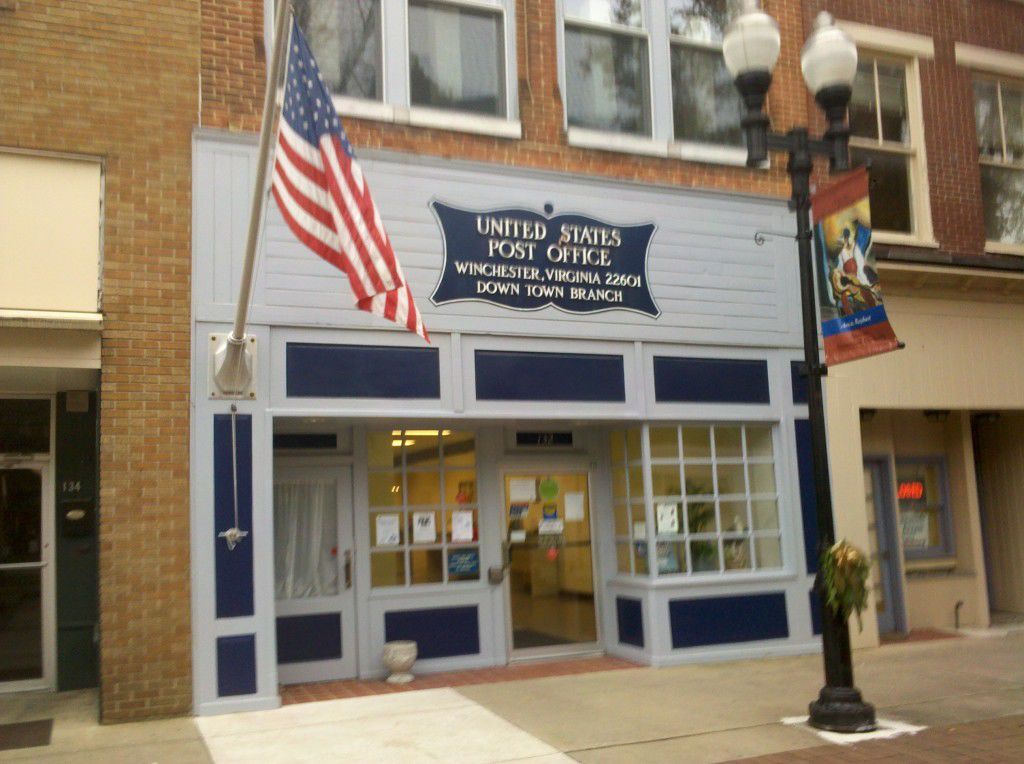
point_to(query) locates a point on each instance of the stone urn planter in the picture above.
(398, 658)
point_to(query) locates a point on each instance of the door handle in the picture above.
(347, 565)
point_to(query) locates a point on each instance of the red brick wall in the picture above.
(233, 61)
(118, 80)
(947, 100)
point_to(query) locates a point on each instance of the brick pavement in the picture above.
(992, 740)
(355, 688)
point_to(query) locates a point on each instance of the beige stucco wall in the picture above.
(962, 354)
(50, 235)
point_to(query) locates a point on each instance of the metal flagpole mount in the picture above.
(232, 364)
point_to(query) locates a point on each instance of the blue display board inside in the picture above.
(524, 260)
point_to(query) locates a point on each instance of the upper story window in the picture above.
(435, 63)
(999, 118)
(606, 66)
(345, 36)
(882, 136)
(706, 106)
(456, 57)
(648, 76)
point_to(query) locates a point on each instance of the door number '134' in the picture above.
(71, 486)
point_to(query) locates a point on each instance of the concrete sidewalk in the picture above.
(701, 713)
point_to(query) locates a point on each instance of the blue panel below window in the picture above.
(799, 381)
(315, 637)
(808, 500)
(236, 665)
(815, 611)
(438, 632)
(233, 567)
(710, 380)
(507, 376)
(361, 371)
(631, 621)
(726, 620)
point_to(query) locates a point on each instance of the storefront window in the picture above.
(424, 523)
(714, 499)
(925, 526)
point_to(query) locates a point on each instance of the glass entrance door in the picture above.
(550, 561)
(24, 585)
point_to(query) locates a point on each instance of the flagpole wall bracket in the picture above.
(232, 367)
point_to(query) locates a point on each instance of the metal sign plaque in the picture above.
(524, 260)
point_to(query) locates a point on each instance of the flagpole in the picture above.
(233, 368)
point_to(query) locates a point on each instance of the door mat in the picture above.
(529, 638)
(25, 734)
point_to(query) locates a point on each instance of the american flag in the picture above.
(324, 198)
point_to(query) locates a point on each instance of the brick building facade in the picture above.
(114, 85)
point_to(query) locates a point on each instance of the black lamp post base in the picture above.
(841, 709)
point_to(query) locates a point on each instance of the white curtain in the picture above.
(305, 538)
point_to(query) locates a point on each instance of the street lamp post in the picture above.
(829, 64)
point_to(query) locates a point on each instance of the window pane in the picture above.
(465, 521)
(1013, 119)
(737, 554)
(696, 442)
(345, 38)
(424, 488)
(704, 556)
(665, 480)
(706, 105)
(666, 518)
(424, 527)
(621, 520)
(769, 552)
(1002, 191)
(701, 20)
(892, 93)
(21, 628)
(459, 449)
(21, 526)
(622, 558)
(422, 447)
(728, 442)
(671, 557)
(387, 569)
(427, 567)
(889, 188)
(459, 487)
(863, 112)
(456, 58)
(640, 558)
(734, 516)
(305, 539)
(625, 12)
(385, 489)
(618, 446)
(762, 478)
(24, 426)
(633, 452)
(664, 443)
(759, 441)
(921, 495)
(730, 479)
(766, 514)
(700, 517)
(618, 481)
(699, 480)
(386, 528)
(636, 482)
(986, 119)
(381, 452)
(606, 80)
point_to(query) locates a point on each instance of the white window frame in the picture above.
(395, 104)
(997, 66)
(651, 539)
(902, 48)
(661, 142)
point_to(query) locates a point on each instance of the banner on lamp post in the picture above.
(853, 320)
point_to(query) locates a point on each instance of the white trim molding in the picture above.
(994, 61)
(890, 40)
(50, 319)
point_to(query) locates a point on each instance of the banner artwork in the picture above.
(853, 320)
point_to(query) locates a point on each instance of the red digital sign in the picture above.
(910, 489)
